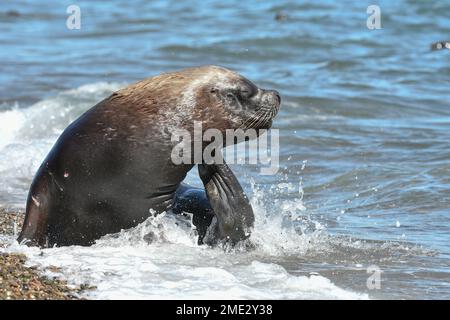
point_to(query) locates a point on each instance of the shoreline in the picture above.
(21, 282)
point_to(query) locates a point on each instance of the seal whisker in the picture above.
(263, 119)
(252, 120)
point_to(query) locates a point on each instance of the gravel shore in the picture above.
(18, 281)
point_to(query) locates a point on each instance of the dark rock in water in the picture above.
(281, 16)
(440, 45)
(12, 13)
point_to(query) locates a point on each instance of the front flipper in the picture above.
(233, 211)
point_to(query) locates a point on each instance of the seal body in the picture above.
(112, 168)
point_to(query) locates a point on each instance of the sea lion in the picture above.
(111, 168)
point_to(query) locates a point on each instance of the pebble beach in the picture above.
(18, 280)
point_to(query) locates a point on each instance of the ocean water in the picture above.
(364, 179)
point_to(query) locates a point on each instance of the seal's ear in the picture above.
(233, 211)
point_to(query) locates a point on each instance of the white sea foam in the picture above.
(173, 266)
(125, 266)
(27, 135)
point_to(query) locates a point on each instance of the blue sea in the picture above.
(363, 188)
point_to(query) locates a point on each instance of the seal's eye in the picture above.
(245, 93)
(247, 90)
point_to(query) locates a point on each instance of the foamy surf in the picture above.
(126, 266)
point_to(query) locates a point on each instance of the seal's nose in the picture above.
(271, 98)
(275, 94)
